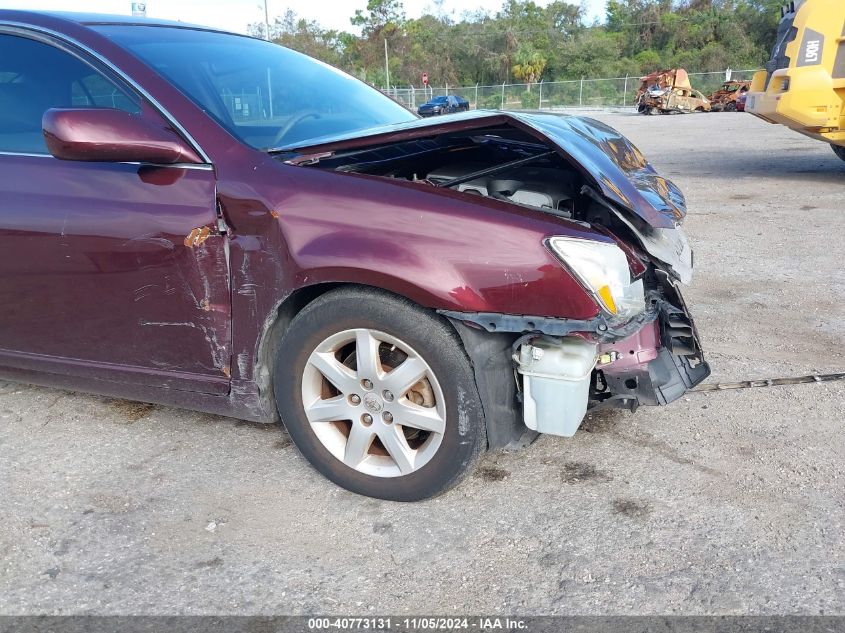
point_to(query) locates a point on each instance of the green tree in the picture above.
(305, 36)
(379, 15)
(529, 66)
(526, 42)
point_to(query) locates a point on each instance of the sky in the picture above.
(235, 15)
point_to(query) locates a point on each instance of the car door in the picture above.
(109, 271)
(685, 101)
(672, 99)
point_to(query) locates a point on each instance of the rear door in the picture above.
(110, 271)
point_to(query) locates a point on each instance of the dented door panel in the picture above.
(114, 271)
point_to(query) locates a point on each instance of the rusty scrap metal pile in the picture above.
(670, 91)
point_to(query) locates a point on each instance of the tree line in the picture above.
(524, 42)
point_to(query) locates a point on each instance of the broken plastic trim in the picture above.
(604, 329)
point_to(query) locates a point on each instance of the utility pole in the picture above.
(386, 66)
(267, 19)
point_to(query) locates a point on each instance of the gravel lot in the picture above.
(723, 503)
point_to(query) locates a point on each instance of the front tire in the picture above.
(379, 395)
(839, 151)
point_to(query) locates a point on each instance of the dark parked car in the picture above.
(211, 221)
(443, 105)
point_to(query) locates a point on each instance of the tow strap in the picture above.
(768, 382)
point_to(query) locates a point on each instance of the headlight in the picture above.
(602, 268)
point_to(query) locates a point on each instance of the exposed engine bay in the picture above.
(521, 172)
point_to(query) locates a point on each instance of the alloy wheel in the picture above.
(373, 402)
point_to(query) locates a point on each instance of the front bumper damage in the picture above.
(541, 375)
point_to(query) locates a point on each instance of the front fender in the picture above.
(435, 248)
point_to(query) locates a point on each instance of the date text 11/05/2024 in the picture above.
(376, 623)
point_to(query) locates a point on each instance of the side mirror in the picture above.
(106, 134)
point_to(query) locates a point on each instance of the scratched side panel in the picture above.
(113, 271)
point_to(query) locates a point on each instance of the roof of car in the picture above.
(92, 19)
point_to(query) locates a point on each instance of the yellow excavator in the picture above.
(803, 85)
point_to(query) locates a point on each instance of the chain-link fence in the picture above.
(584, 93)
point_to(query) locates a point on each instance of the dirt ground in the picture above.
(723, 503)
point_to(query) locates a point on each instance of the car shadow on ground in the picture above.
(808, 167)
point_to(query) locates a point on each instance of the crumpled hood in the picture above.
(611, 161)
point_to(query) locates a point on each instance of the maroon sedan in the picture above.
(206, 220)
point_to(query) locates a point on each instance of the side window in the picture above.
(94, 90)
(35, 77)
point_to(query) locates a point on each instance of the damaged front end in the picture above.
(560, 368)
(620, 239)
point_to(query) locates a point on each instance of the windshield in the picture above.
(265, 95)
(438, 100)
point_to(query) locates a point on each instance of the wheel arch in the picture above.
(285, 310)
(270, 335)
(501, 425)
